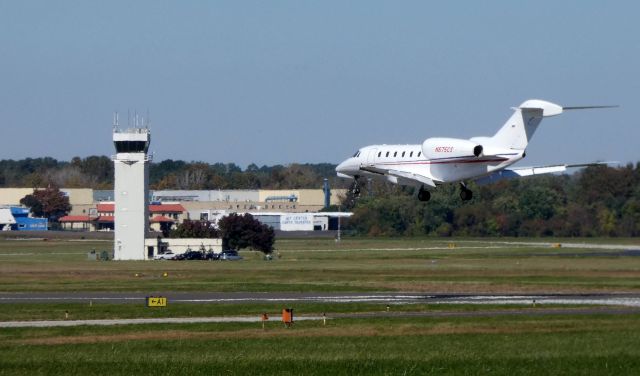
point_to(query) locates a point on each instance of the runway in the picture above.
(540, 305)
(604, 299)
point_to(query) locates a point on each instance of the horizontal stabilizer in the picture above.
(511, 173)
(588, 107)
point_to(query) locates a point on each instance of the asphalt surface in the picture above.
(381, 314)
(607, 299)
(541, 304)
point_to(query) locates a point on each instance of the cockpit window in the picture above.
(357, 154)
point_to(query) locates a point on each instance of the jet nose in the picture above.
(344, 169)
(341, 167)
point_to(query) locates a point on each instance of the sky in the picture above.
(281, 82)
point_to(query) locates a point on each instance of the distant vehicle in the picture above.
(166, 256)
(193, 255)
(230, 255)
(211, 256)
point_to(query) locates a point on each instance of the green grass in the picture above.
(97, 310)
(567, 345)
(502, 345)
(321, 265)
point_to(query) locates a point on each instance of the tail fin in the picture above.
(518, 130)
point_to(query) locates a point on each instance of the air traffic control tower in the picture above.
(131, 192)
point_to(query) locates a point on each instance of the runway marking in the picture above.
(605, 300)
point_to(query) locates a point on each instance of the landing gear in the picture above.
(355, 188)
(423, 194)
(465, 193)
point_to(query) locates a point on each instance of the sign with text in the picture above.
(156, 301)
(296, 222)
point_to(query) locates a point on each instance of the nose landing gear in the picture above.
(355, 188)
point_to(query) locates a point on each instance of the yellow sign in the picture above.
(156, 301)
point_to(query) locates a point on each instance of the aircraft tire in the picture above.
(466, 195)
(424, 195)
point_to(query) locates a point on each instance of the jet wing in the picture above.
(510, 173)
(402, 177)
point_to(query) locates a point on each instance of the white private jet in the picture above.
(451, 160)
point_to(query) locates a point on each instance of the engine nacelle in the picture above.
(440, 147)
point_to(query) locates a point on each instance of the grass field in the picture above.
(569, 345)
(504, 345)
(320, 265)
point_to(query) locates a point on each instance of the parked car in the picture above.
(230, 255)
(211, 256)
(193, 255)
(165, 256)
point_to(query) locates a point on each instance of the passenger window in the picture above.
(379, 154)
(403, 154)
(395, 153)
(411, 154)
(387, 155)
(419, 154)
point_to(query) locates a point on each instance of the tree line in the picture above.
(97, 172)
(596, 201)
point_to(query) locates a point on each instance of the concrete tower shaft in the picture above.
(131, 164)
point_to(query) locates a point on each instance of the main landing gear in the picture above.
(423, 194)
(465, 193)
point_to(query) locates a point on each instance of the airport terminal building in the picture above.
(284, 210)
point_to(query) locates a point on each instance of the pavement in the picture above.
(608, 299)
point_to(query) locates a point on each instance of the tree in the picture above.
(49, 203)
(244, 231)
(194, 229)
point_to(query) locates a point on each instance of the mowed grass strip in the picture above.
(320, 265)
(598, 344)
(100, 311)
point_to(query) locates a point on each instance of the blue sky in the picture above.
(271, 82)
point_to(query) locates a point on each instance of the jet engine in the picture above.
(439, 147)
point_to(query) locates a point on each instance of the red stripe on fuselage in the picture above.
(426, 162)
